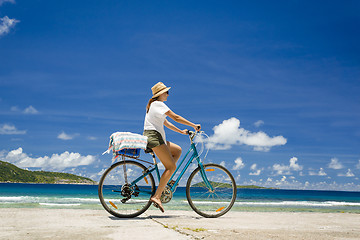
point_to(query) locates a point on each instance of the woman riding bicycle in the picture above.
(167, 152)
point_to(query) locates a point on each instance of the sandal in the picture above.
(157, 205)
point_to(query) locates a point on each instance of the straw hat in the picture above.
(159, 89)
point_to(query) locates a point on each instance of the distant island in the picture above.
(10, 173)
(253, 187)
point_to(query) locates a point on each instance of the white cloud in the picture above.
(253, 167)
(161, 166)
(92, 138)
(320, 173)
(6, 23)
(31, 110)
(4, 1)
(101, 172)
(256, 172)
(281, 169)
(293, 165)
(238, 164)
(9, 129)
(65, 136)
(286, 169)
(281, 182)
(54, 163)
(28, 110)
(222, 163)
(358, 165)
(229, 133)
(258, 123)
(348, 174)
(335, 164)
(289, 183)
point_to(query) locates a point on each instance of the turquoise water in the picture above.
(86, 197)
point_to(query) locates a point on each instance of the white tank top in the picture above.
(155, 117)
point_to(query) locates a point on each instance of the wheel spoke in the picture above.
(211, 203)
(120, 195)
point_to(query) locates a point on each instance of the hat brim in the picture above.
(161, 92)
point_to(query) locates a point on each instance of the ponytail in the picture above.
(151, 100)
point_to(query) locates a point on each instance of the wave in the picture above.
(286, 203)
(60, 204)
(76, 201)
(301, 204)
(59, 200)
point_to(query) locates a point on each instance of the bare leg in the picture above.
(165, 156)
(175, 150)
(175, 153)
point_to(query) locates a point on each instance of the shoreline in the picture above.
(42, 223)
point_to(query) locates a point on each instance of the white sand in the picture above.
(36, 223)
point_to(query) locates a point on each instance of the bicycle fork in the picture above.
(204, 177)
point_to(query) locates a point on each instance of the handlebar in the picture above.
(201, 140)
(192, 134)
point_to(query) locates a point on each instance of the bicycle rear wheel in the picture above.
(126, 198)
(211, 203)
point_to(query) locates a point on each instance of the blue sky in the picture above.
(274, 84)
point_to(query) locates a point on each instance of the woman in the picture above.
(167, 152)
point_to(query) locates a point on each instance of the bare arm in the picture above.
(179, 119)
(173, 127)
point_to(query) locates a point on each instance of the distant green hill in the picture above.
(253, 187)
(11, 173)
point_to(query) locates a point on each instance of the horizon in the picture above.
(275, 85)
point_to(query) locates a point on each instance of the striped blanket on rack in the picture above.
(126, 143)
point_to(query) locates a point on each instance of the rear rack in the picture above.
(133, 153)
(128, 152)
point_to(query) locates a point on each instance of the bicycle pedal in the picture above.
(171, 183)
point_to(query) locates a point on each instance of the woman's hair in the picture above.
(151, 100)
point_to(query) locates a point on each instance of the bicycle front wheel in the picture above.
(207, 202)
(124, 191)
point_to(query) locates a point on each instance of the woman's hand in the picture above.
(197, 127)
(185, 131)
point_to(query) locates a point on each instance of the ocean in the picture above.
(18, 195)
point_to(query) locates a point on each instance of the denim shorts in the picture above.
(154, 138)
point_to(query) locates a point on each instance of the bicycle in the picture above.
(126, 186)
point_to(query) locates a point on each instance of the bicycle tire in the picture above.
(112, 190)
(207, 203)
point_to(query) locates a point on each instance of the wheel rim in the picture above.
(122, 199)
(207, 202)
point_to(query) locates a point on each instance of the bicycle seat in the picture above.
(148, 150)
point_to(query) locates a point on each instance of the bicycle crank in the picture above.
(166, 195)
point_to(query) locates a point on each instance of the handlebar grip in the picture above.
(191, 135)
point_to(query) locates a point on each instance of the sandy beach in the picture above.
(40, 223)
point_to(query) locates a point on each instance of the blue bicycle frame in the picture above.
(191, 159)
